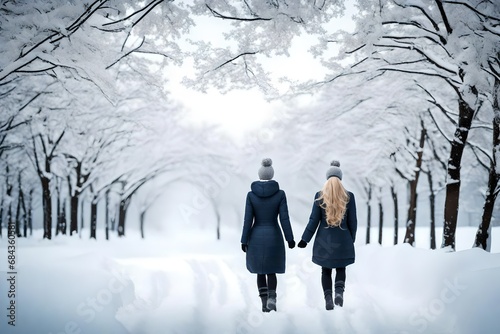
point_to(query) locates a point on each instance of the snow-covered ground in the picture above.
(190, 283)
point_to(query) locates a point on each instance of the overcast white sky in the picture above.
(242, 111)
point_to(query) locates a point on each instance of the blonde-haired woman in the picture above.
(334, 210)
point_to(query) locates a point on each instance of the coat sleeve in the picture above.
(314, 220)
(285, 219)
(352, 221)
(247, 220)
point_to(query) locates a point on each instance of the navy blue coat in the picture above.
(333, 246)
(261, 232)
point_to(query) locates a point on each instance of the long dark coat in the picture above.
(333, 246)
(261, 232)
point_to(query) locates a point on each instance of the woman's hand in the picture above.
(302, 244)
(244, 247)
(291, 244)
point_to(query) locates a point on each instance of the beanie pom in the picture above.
(267, 162)
(266, 171)
(334, 170)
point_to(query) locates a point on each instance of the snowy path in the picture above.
(217, 295)
(389, 290)
(202, 286)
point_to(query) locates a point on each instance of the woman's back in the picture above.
(266, 198)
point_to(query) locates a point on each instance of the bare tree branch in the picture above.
(470, 7)
(445, 112)
(148, 8)
(476, 147)
(449, 30)
(220, 16)
(232, 59)
(439, 128)
(413, 47)
(127, 54)
(419, 26)
(431, 20)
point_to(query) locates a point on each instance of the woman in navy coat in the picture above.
(262, 239)
(334, 211)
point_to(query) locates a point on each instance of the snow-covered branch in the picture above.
(484, 15)
(225, 17)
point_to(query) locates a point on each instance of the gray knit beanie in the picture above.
(266, 172)
(334, 170)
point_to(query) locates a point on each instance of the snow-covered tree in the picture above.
(493, 168)
(86, 38)
(251, 32)
(455, 41)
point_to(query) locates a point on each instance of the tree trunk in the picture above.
(58, 224)
(217, 218)
(396, 214)
(432, 202)
(47, 208)
(369, 212)
(25, 225)
(380, 220)
(64, 226)
(466, 114)
(122, 212)
(106, 218)
(22, 205)
(73, 208)
(482, 234)
(82, 217)
(93, 218)
(29, 214)
(217, 214)
(113, 222)
(20, 199)
(143, 214)
(126, 197)
(75, 197)
(1, 216)
(9, 216)
(18, 215)
(412, 209)
(8, 192)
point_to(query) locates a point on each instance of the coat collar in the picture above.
(265, 189)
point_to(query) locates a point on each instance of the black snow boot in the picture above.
(271, 300)
(339, 293)
(263, 298)
(328, 300)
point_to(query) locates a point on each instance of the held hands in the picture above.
(291, 244)
(302, 244)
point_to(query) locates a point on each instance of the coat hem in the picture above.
(266, 273)
(338, 263)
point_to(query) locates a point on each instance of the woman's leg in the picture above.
(326, 283)
(326, 279)
(339, 286)
(263, 292)
(272, 283)
(339, 275)
(261, 281)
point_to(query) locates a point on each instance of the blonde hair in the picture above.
(333, 199)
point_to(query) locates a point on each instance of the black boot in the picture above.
(339, 293)
(328, 300)
(263, 298)
(271, 300)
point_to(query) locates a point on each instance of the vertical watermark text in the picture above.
(11, 275)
